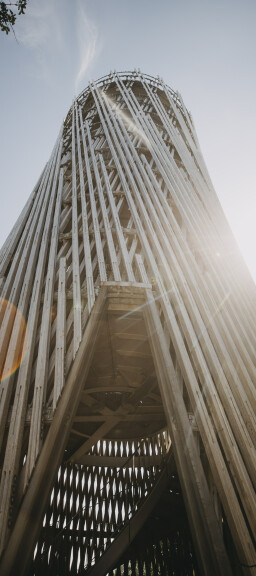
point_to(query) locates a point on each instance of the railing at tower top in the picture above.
(132, 75)
(136, 76)
(91, 505)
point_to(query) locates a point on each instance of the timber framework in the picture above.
(127, 354)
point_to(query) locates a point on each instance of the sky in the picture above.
(205, 49)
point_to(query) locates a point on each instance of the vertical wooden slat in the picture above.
(75, 251)
(86, 236)
(60, 347)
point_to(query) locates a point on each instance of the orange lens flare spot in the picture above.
(15, 344)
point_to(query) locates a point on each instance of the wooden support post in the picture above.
(75, 250)
(85, 218)
(60, 348)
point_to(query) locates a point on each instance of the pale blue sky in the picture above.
(205, 49)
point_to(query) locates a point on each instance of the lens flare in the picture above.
(11, 355)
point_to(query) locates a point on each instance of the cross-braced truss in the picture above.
(125, 309)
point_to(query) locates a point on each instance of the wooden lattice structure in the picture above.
(127, 356)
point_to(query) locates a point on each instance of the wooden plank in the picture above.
(86, 236)
(75, 251)
(60, 348)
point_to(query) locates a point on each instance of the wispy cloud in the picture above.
(88, 41)
(58, 32)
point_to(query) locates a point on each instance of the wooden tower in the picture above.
(127, 354)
